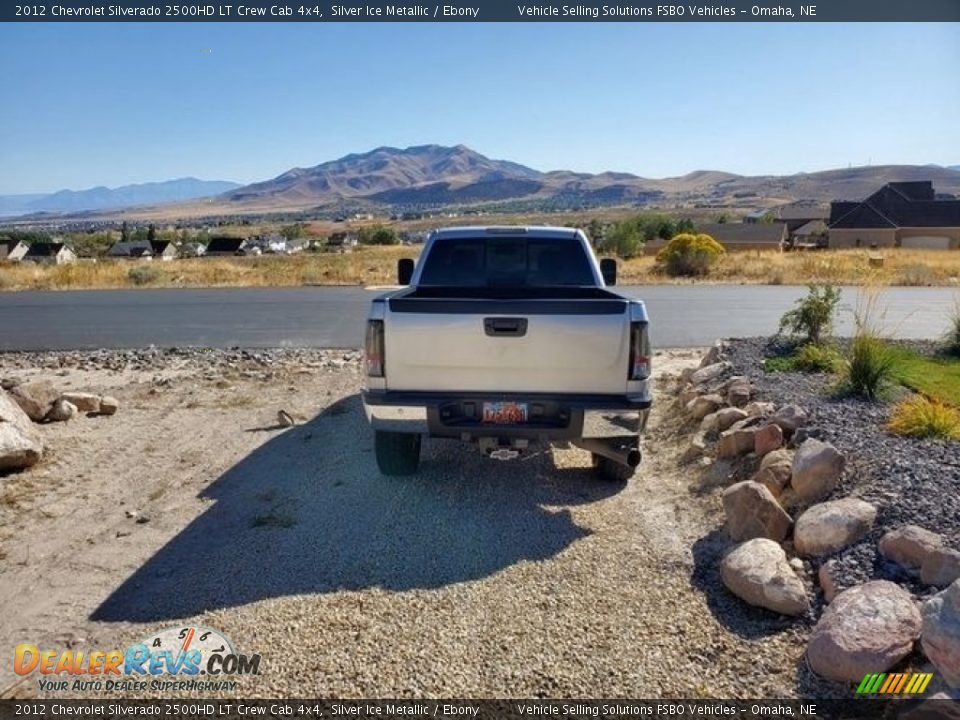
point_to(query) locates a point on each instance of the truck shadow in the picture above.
(308, 512)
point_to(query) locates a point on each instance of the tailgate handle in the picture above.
(505, 326)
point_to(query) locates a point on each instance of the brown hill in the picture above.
(434, 175)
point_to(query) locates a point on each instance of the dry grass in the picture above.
(839, 267)
(922, 417)
(377, 265)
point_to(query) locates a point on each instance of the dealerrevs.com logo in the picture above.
(184, 653)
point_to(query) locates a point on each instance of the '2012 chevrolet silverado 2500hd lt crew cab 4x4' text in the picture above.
(506, 336)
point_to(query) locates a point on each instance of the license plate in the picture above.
(504, 413)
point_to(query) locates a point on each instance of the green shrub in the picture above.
(952, 338)
(921, 417)
(690, 255)
(812, 319)
(817, 358)
(870, 366)
(144, 274)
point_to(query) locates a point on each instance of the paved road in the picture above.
(684, 316)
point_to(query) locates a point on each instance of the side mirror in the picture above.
(404, 271)
(608, 268)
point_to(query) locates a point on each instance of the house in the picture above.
(900, 214)
(794, 215)
(193, 249)
(221, 246)
(810, 235)
(131, 250)
(342, 242)
(50, 253)
(164, 249)
(13, 250)
(738, 236)
(273, 243)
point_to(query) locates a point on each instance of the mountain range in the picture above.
(436, 176)
(103, 198)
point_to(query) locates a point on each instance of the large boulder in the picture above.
(832, 526)
(759, 409)
(739, 393)
(868, 628)
(816, 471)
(709, 372)
(752, 512)
(767, 439)
(109, 405)
(20, 444)
(62, 411)
(84, 402)
(757, 571)
(941, 633)
(790, 418)
(35, 398)
(703, 405)
(775, 470)
(728, 417)
(909, 546)
(737, 440)
(940, 567)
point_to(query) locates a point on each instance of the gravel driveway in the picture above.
(473, 578)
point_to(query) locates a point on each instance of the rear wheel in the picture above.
(397, 453)
(611, 471)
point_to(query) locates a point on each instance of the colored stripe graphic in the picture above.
(894, 684)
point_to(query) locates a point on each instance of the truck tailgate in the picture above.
(563, 346)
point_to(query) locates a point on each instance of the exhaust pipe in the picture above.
(625, 454)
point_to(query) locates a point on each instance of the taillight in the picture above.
(639, 352)
(373, 348)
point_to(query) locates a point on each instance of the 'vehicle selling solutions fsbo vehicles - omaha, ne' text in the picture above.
(503, 337)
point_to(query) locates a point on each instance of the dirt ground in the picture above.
(474, 578)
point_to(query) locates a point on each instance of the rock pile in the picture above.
(22, 405)
(790, 505)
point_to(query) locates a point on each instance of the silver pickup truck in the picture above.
(507, 336)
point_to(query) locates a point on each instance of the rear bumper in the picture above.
(565, 417)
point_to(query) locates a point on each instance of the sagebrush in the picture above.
(690, 255)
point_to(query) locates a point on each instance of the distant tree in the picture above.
(151, 233)
(294, 231)
(377, 235)
(723, 218)
(124, 232)
(595, 231)
(686, 225)
(27, 236)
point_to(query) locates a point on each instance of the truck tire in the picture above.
(611, 471)
(397, 453)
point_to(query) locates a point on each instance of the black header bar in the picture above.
(309, 11)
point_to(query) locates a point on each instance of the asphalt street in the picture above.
(681, 315)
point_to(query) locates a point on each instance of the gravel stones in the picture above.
(817, 467)
(832, 526)
(868, 628)
(752, 512)
(757, 571)
(941, 633)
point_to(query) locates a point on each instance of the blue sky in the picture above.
(89, 104)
